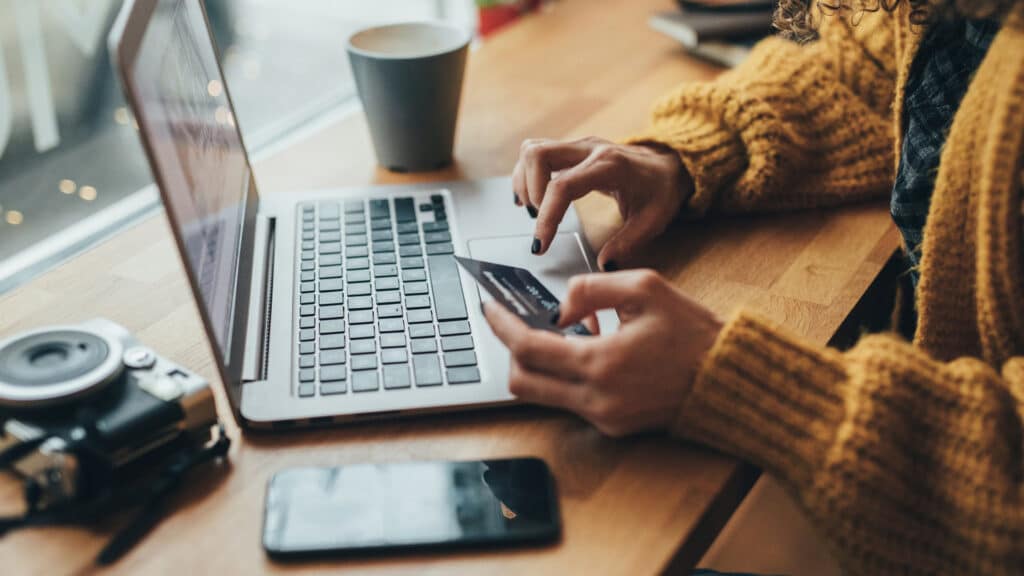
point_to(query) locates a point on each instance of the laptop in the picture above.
(324, 306)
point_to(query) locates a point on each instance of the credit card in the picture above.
(519, 291)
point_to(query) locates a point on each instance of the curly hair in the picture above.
(799, 19)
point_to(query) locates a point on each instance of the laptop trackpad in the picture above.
(563, 260)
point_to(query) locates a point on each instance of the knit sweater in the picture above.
(908, 457)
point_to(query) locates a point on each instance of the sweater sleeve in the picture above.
(909, 465)
(795, 126)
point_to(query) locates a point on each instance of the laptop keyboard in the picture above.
(380, 303)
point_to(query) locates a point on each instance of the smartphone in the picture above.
(409, 505)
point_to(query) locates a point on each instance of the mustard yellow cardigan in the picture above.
(910, 458)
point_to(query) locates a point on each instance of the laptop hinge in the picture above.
(257, 336)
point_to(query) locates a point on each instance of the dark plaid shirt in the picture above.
(949, 55)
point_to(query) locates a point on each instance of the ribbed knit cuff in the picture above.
(712, 155)
(767, 398)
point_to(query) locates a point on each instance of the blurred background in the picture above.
(72, 170)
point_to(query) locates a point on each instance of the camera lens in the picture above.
(52, 365)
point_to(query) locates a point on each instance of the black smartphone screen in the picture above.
(409, 505)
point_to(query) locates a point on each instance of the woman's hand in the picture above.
(649, 184)
(626, 382)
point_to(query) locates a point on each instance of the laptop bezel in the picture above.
(124, 42)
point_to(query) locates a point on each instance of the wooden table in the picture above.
(634, 506)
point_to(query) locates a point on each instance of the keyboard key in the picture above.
(465, 375)
(434, 227)
(308, 255)
(307, 348)
(307, 361)
(307, 245)
(439, 214)
(332, 341)
(307, 287)
(307, 266)
(307, 375)
(354, 218)
(421, 331)
(444, 248)
(307, 276)
(406, 227)
(360, 317)
(427, 370)
(357, 251)
(392, 325)
(461, 358)
(332, 388)
(307, 216)
(410, 251)
(437, 199)
(405, 210)
(358, 276)
(330, 248)
(332, 327)
(394, 356)
(333, 373)
(390, 311)
(331, 357)
(393, 340)
(452, 343)
(426, 207)
(331, 298)
(363, 289)
(419, 316)
(307, 227)
(331, 285)
(364, 381)
(334, 236)
(381, 235)
(329, 225)
(308, 322)
(360, 302)
(307, 390)
(380, 224)
(453, 328)
(422, 301)
(385, 270)
(406, 239)
(385, 258)
(362, 331)
(379, 208)
(446, 285)
(355, 240)
(364, 362)
(390, 283)
(363, 346)
(329, 210)
(352, 206)
(307, 299)
(355, 229)
(307, 310)
(413, 288)
(437, 237)
(357, 264)
(306, 335)
(396, 376)
(414, 275)
(331, 312)
(389, 297)
(424, 346)
(330, 272)
(379, 247)
(414, 262)
(330, 260)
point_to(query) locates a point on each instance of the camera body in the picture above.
(85, 408)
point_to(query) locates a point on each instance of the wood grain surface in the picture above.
(633, 506)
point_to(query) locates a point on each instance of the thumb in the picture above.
(589, 293)
(620, 248)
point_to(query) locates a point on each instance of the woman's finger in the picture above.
(542, 157)
(574, 183)
(544, 352)
(589, 293)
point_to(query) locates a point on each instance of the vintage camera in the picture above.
(86, 409)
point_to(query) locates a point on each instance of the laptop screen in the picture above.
(185, 115)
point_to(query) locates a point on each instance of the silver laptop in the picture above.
(321, 306)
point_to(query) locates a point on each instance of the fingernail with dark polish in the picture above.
(611, 266)
(535, 248)
(515, 199)
(555, 318)
(532, 211)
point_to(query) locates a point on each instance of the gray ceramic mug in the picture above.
(409, 78)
